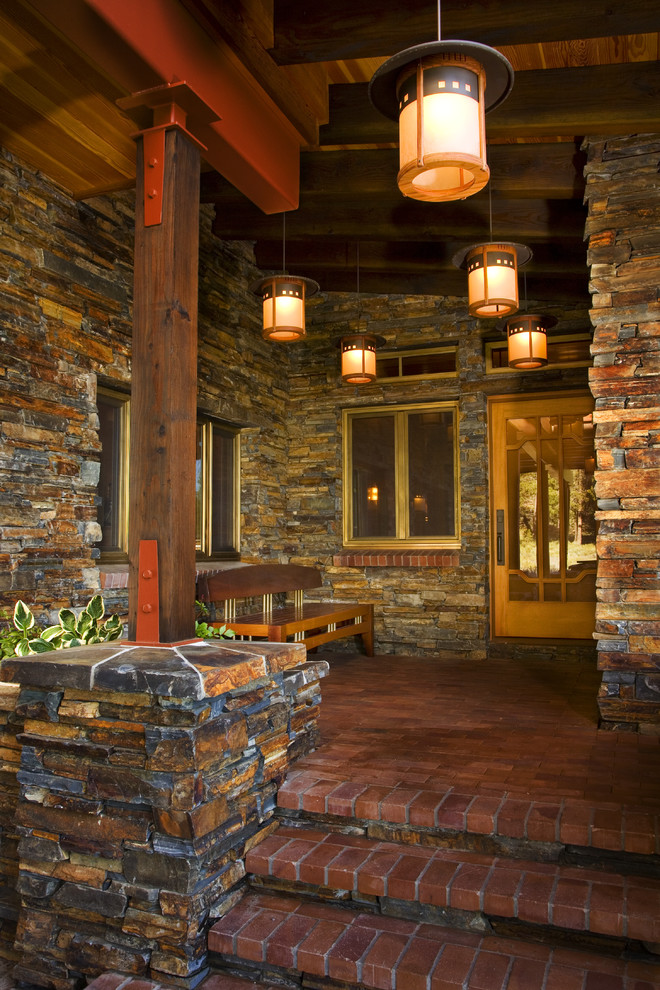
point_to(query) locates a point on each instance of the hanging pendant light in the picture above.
(439, 92)
(358, 358)
(527, 339)
(358, 350)
(492, 269)
(283, 301)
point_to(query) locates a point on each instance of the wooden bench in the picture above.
(311, 623)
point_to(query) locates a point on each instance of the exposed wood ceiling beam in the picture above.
(596, 99)
(550, 171)
(344, 30)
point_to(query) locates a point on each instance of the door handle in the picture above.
(500, 536)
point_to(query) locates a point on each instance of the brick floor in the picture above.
(503, 748)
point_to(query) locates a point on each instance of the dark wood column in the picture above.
(164, 387)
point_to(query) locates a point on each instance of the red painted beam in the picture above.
(251, 143)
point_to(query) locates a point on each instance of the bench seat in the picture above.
(311, 623)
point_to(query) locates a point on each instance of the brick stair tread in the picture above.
(214, 981)
(567, 897)
(502, 814)
(279, 935)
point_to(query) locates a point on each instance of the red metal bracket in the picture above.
(171, 105)
(148, 609)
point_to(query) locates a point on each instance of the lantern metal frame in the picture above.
(495, 75)
(530, 324)
(283, 333)
(364, 337)
(505, 306)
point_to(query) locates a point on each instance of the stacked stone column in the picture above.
(623, 194)
(146, 775)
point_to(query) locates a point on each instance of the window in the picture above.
(401, 475)
(217, 493)
(112, 513)
(569, 351)
(418, 363)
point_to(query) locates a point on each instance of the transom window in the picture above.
(217, 492)
(401, 475)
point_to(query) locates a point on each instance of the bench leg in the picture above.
(368, 634)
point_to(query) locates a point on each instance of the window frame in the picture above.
(415, 352)
(403, 539)
(203, 546)
(203, 549)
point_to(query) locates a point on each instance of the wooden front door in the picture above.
(543, 573)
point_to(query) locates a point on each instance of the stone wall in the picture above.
(623, 193)
(65, 323)
(438, 603)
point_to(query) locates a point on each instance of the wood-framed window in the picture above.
(417, 364)
(217, 483)
(401, 479)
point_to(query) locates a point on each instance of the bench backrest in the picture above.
(259, 579)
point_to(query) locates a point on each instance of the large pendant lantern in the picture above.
(283, 305)
(493, 277)
(527, 337)
(439, 92)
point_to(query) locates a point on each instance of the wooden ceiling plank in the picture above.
(597, 99)
(342, 30)
(399, 219)
(549, 171)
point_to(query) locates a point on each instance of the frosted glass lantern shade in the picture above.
(439, 92)
(527, 337)
(492, 280)
(283, 306)
(358, 359)
(442, 130)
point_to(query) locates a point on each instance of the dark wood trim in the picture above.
(163, 392)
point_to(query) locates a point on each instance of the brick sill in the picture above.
(387, 558)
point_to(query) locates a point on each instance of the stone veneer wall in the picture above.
(623, 193)
(66, 273)
(65, 310)
(424, 604)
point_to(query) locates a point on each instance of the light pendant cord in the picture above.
(284, 243)
(357, 266)
(490, 211)
(439, 30)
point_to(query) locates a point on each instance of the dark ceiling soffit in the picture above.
(598, 99)
(324, 32)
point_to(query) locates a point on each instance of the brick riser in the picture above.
(285, 940)
(488, 822)
(464, 889)
(442, 890)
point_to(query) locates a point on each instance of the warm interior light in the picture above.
(372, 493)
(442, 131)
(358, 359)
(438, 93)
(527, 336)
(283, 307)
(492, 280)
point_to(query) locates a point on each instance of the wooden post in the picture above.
(164, 387)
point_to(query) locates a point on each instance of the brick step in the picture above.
(284, 939)
(504, 821)
(470, 890)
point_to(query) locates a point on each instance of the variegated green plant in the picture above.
(71, 630)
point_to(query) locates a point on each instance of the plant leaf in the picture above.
(40, 646)
(67, 619)
(96, 607)
(51, 634)
(23, 618)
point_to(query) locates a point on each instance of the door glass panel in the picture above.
(222, 482)
(374, 506)
(550, 497)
